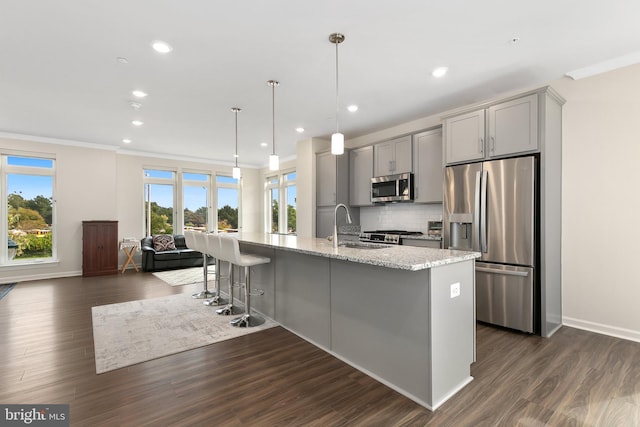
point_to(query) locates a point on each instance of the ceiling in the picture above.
(60, 77)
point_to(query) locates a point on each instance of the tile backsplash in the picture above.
(400, 216)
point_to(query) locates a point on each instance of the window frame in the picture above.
(282, 185)
(5, 170)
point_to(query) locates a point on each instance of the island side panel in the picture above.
(380, 324)
(262, 277)
(452, 328)
(303, 301)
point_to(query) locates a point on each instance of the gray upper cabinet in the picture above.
(332, 188)
(513, 126)
(360, 174)
(464, 137)
(326, 179)
(427, 166)
(391, 157)
(500, 130)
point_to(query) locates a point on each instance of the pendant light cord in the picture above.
(337, 92)
(236, 112)
(273, 116)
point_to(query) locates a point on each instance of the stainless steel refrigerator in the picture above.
(492, 207)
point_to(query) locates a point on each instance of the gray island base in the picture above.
(402, 315)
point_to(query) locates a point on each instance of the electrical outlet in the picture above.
(455, 290)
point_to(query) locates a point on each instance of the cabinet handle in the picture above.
(493, 144)
(481, 145)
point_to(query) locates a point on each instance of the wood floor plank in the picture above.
(274, 378)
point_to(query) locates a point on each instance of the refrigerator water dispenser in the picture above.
(460, 231)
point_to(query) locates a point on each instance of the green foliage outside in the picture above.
(33, 246)
(227, 218)
(291, 217)
(25, 216)
(161, 219)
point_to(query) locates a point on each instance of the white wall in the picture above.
(601, 202)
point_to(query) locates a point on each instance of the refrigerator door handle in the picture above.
(505, 272)
(483, 212)
(476, 214)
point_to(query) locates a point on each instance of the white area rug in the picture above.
(186, 276)
(132, 332)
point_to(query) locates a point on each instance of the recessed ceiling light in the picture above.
(161, 47)
(139, 93)
(439, 72)
(122, 60)
(299, 130)
(137, 122)
(263, 144)
(126, 141)
(352, 108)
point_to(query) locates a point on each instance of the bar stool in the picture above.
(197, 241)
(213, 249)
(230, 251)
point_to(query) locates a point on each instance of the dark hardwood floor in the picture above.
(274, 378)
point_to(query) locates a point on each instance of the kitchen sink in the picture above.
(362, 245)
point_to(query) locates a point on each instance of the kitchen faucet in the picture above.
(335, 222)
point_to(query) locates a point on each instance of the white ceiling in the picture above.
(59, 76)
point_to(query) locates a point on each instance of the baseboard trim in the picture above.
(42, 276)
(614, 331)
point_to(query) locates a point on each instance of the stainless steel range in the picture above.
(390, 237)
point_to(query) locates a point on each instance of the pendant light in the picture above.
(337, 139)
(274, 161)
(236, 169)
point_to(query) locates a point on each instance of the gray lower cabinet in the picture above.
(422, 243)
(303, 296)
(402, 327)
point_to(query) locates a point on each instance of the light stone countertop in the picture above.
(395, 256)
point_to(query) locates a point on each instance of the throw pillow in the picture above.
(164, 242)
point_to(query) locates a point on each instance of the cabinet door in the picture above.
(402, 155)
(513, 126)
(324, 222)
(360, 174)
(427, 159)
(325, 179)
(435, 244)
(464, 137)
(383, 158)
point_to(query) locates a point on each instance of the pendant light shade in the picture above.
(337, 139)
(236, 170)
(274, 160)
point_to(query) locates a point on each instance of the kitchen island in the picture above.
(403, 315)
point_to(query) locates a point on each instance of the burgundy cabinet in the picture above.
(99, 248)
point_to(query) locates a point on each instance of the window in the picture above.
(159, 189)
(195, 201)
(29, 228)
(281, 191)
(228, 197)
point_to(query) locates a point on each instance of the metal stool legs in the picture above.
(204, 293)
(247, 320)
(217, 298)
(229, 309)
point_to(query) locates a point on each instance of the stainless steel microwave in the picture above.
(392, 188)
